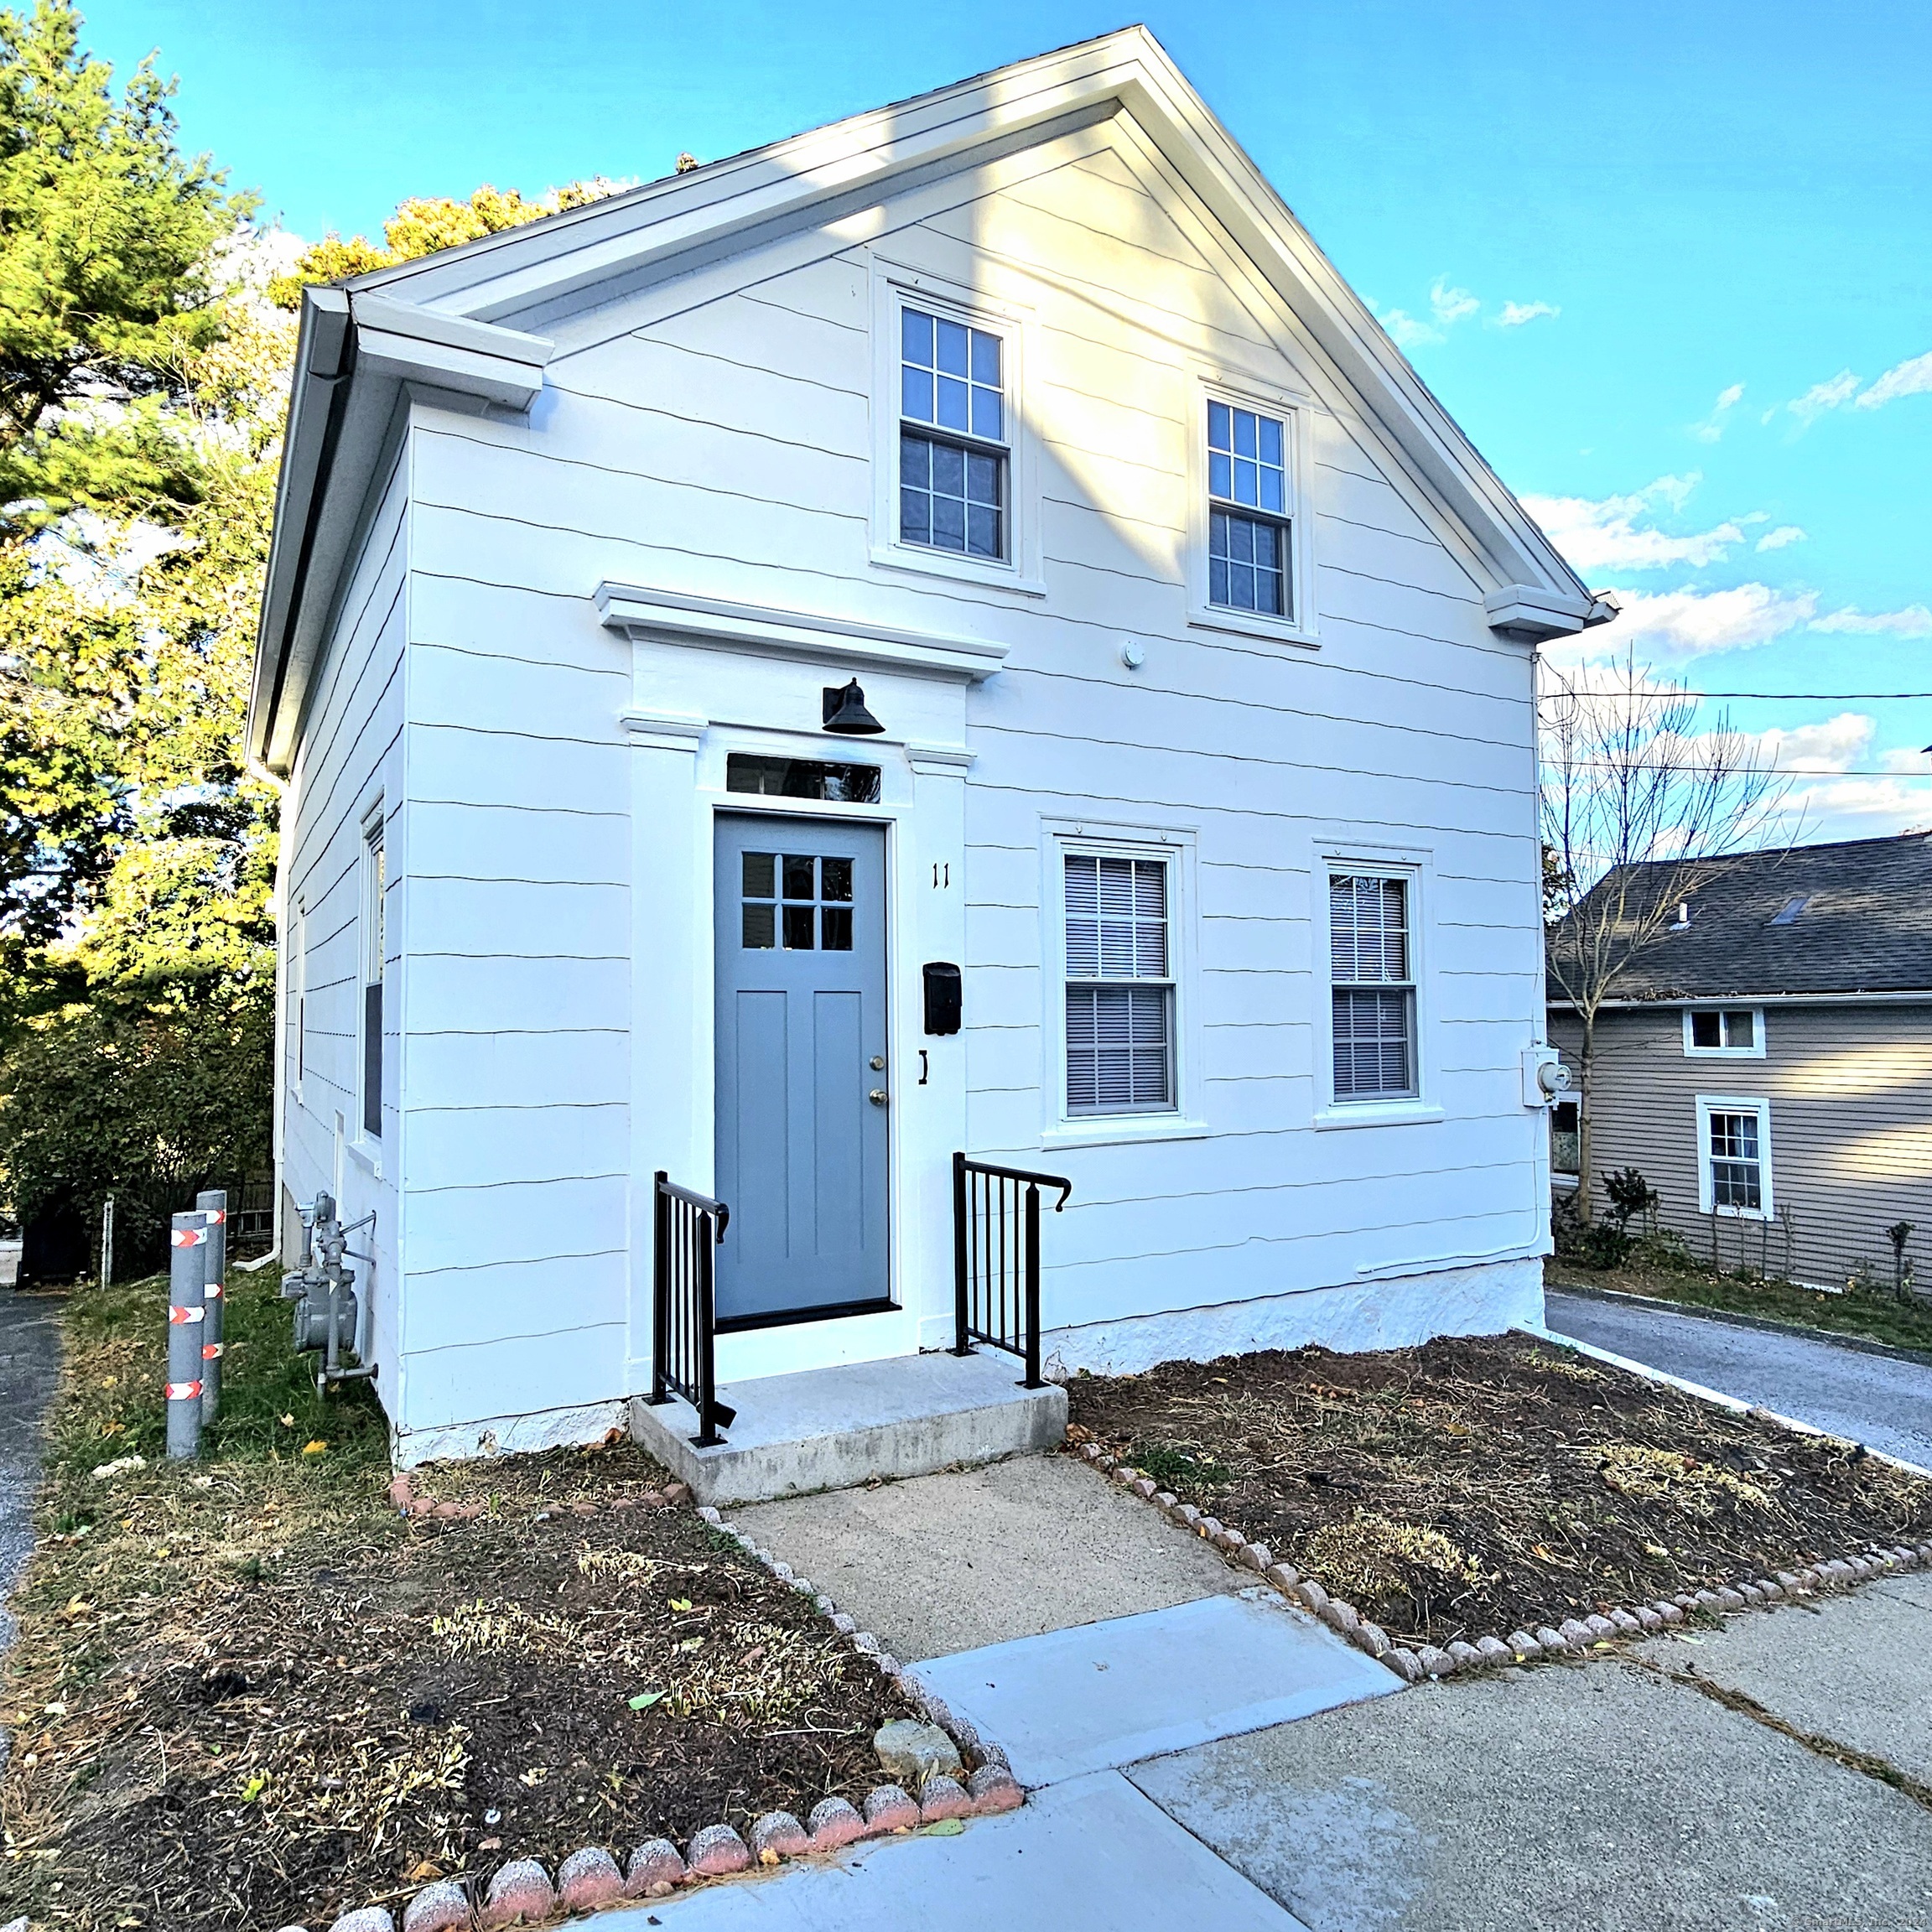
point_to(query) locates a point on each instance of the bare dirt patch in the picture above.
(1471, 1487)
(250, 1692)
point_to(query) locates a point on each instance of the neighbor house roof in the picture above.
(476, 325)
(1840, 919)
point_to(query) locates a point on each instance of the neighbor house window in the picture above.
(1248, 522)
(1734, 1156)
(953, 431)
(375, 894)
(1734, 1029)
(1566, 1138)
(1372, 965)
(1120, 985)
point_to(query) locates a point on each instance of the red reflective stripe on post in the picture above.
(211, 1351)
(216, 1216)
(183, 1391)
(178, 1316)
(188, 1236)
(213, 1291)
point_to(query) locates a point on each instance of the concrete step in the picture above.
(837, 1428)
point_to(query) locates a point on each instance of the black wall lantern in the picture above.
(846, 712)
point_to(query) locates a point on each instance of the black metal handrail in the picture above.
(996, 1258)
(686, 1228)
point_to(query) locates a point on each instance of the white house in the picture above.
(1202, 643)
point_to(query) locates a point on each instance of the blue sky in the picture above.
(1711, 200)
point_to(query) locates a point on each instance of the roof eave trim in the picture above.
(354, 347)
(1882, 996)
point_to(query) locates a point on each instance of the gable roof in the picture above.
(467, 323)
(1848, 918)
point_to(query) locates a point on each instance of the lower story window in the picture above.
(1120, 985)
(1735, 1157)
(1566, 1137)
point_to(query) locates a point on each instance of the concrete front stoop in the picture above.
(838, 1428)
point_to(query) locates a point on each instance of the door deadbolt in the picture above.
(878, 1063)
(877, 1096)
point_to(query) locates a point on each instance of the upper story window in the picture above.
(1247, 521)
(1371, 966)
(1736, 1030)
(953, 450)
(1120, 985)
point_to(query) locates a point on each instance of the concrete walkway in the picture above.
(1875, 1399)
(978, 1556)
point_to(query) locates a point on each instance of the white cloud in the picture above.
(1605, 533)
(1688, 623)
(1778, 538)
(1915, 620)
(1712, 426)
(1909, 378)
(1404, 329)
(1834, 394)
(1450, 305)
(1514, 314)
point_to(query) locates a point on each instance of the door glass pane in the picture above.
(835, 875)
(797, 878)
(760, 927)
(836, 924)
(798, 923)
(758, 874)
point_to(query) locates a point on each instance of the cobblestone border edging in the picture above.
(1574, 1636)
(523, 1893)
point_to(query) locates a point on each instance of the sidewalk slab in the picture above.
(1091, 1856)
(1851, 1669)
(976, 1557)
(1599, 1797)
(1101, 1694)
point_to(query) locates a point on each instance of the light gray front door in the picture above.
(802, 1080)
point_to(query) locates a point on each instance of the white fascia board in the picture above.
(665, 228)
(713, 623)
(357, 355)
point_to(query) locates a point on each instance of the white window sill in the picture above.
(1252, 624)
(1563, 1183)
(1741, 1213)
(1376, 1113)
(1122, 1129)
(1723, 1052)
(925, 562)
(367, 1154)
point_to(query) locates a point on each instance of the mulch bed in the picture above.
(1471, 1488)
(258, 1694)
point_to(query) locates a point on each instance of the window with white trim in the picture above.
(1736, 1030)
(954, 444)
(1249, 550)
(374, 947)
(1373, 991)
(1734, 1156)
(1120, 985)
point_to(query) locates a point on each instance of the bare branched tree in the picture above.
(1639, 809)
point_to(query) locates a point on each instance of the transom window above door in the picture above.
(953, 438)
(796, 903)
(1248, 519)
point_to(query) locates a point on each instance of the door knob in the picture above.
(877, 1096)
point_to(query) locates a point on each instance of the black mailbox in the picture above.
(942, 996)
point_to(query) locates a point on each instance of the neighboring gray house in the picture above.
(1769, 1064)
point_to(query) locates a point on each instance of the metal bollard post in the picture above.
(187, 1262)
(214, 1201)
(107, 1242)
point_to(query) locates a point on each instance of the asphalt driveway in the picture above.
(1876, 1400)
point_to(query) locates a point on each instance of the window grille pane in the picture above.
(1372, 1056)
(1246, 563)
(952, 496)
(1368, 930)
(1737, 1170)
(1246, 556)
(1116, 917)
(1119, 1052)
